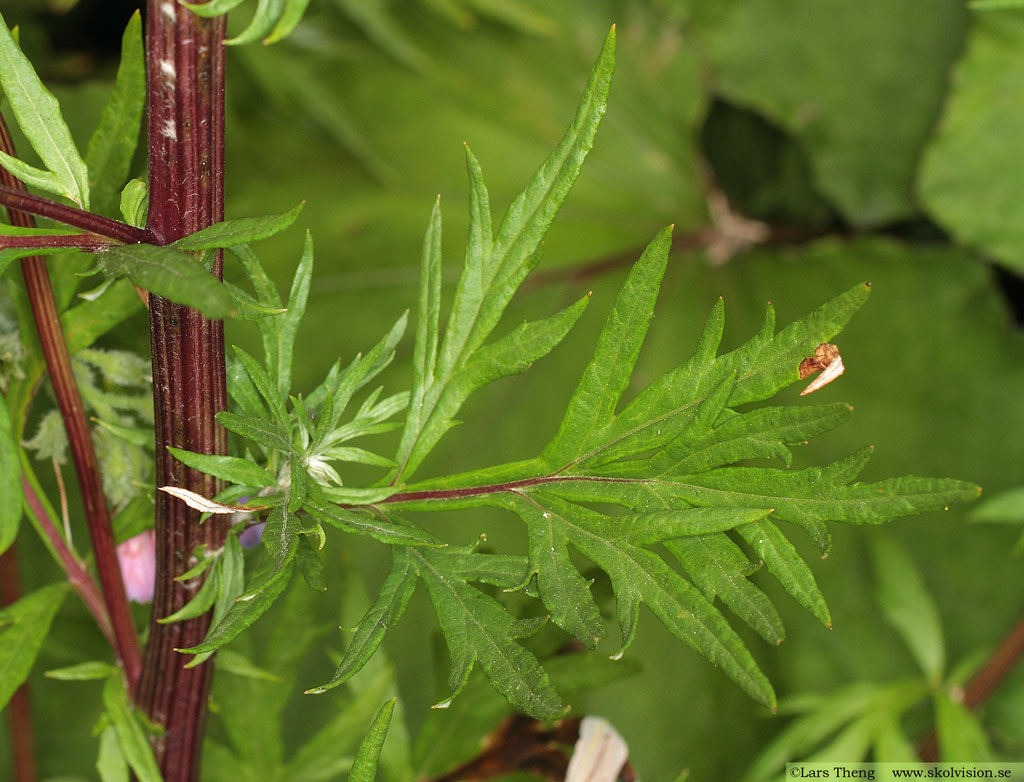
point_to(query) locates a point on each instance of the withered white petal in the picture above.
(199, 502)
(830, 373)
(599, 754)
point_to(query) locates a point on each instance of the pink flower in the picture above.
(137, 557)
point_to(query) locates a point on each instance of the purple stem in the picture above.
(185, 109)
(65, 388)
(13, 197)
(87, 242)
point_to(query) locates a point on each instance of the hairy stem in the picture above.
(185, 109)
(77, 575)
(90, 243)
(90, 484)
(13, 196)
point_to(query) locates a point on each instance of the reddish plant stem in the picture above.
(494, 488)
(185, 108)
(19, 708)
(13, 196)
(78, 576)
(996, 669)
(90, 484)
(90, 243)
(984, 682)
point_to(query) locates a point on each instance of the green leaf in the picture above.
(565, 592)
(310, 566)
(265, 386)
(1004, 508)
(243, 393)
(256, 429)
(279, 332)
(964, 184)
(596, 398)
(288, 324)
(229, 468)
(247, 307)
(230, 233)
(169, 273)
(386, 531)
(23, 627)
(39, 117)
(112, 145)
(477, 629)
(863, 142)
(719, 569)
(639, 576)
(14, 253)
(242, 614)
(132, 739)
(493, 270)
(10, 481)
(385, 612)
(200, 603)
(811, 496)
(110, 762)
(329, 751)
(428, 327)
(783, 562)
(514, 250)
(31, 175)
(892, 745)
(135, 203)
(510, 355)
(240, 665)
(267, 14)
(280, 542)
(290, 17)
(364, 767)
(80, 672)
(213, 7)
(961, 736)
(908, 606)
(668, 459)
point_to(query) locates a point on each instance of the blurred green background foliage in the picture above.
(872, 140)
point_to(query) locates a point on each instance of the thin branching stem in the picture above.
(988, 678)
(69, 401)
(87, 242)
(75, 571)
(496, 488)
(13, 197)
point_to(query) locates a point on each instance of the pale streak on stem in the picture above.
(65, 516)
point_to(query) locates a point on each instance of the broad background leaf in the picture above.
(963, 181)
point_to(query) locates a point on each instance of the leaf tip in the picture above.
(315, 691)
(443, 704)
